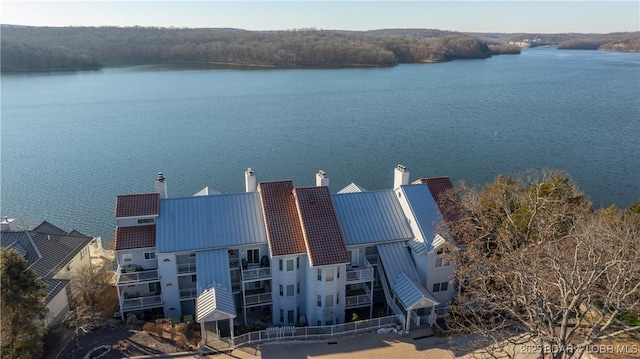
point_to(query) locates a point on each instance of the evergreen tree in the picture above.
(23, 308)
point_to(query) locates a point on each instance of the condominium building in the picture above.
(280, 255)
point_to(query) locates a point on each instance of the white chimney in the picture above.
(9, 225)
(249, 180)
(400, 176)
(161, 185)
(321, 179)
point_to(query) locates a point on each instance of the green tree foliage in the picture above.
(543, 267)
(23, 308)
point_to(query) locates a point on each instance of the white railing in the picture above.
(290, 332)
(358, 300)
(415, 317)
(361, 275)
(136, 277)
(188, 293)
(184, 268)
(142, 302)
(257, 298)
(387, 296)
(257, 273)
(442, 311)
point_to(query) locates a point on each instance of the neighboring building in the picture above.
(277, 254)
(54, 255)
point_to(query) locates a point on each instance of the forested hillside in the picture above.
(621, 41)
(34, 48)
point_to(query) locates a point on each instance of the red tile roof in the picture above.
(322, 235)
(284, 232)
(134, 205)
(135, 237)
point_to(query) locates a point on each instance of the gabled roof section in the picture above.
(215, 298)
(135, 237)
(17, 240)
(351, 188)
(137, 205)
(424, 210)
(412, 294)
(53, 287)
(56, 250)
(322, 235)
(284, 231)
(209, 222)
(371, 217)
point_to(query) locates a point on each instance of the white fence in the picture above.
(290, 332)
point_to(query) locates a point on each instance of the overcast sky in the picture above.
(468, 16)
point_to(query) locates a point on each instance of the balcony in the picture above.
(355, 275)
(255, 299)
(358, 297)
(130, 303)
(188, 293)
(128, 276)
(186, 268)
(256, 273)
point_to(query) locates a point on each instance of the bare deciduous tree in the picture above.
(542, 268)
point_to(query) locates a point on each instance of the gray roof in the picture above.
(48, 250)
(209, 222)
(403, 276)
(371, 217)
(426, 213)
(215, 299)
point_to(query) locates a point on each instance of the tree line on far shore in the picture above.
(34, 48)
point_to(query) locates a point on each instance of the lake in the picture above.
(73, 141)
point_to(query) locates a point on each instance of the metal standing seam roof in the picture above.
(425, 211)
(135, 205)
(209, 222)
(322, 234)
(403, 276)
(282, 222)
(135, 237)
(214, 286)
(371, 217)
(351, 188)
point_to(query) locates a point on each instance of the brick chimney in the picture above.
(400, 176)
(161, 185)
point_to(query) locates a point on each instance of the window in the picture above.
(298, 290)
(337, 298)
(328, 300)
(281, 316)
(329, 274)
(338, 272)
(149, 255)
(290, 290)
(319, 274)
(290, 317)
(127, 258)
(280, 265)
(145, 221)
(82, 253)
(440, 287)
(319, 300)
(281, 290)
(253, 256)
(297, 262)
(439, 261)
(193, 278)
(70, 266)
(153, 288)
(289, 265)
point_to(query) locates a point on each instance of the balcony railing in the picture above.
(136, 277)
(256, 273)
(360, 275)
(186, 268)
(254, 299)
(358, 300)
(142, 302)
(188, 293)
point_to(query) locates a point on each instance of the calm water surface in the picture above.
(72, 141)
